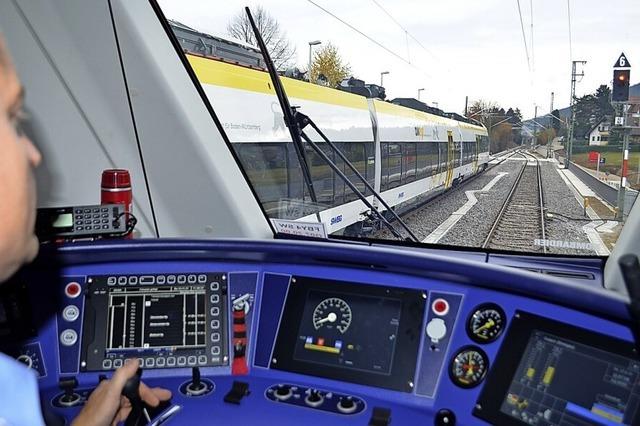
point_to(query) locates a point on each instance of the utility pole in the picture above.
(551, 109)
(574, 75)
(466, 104)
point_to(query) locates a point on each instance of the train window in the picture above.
(370, 155)
(444, 153)
(423, 162)
(266, 167)
(339, 187)
(355, 153)
(384, 156)
(296, 184)
(321, 174)
(408, 162)
(395, 165)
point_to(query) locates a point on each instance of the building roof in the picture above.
(598, 122)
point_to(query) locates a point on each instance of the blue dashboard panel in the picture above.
(258, 276)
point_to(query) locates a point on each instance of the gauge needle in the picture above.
(487, 324)
(330, 318)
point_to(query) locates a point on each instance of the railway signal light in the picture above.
(620, 85)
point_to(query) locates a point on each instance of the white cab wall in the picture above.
(67, 57)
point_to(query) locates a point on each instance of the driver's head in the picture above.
(18, 159)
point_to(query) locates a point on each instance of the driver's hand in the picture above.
(106, 405)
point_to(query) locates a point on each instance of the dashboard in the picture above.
(281, 332)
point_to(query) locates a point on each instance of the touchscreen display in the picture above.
(559, 381)
(349, 331)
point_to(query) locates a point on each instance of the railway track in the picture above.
(521, 218)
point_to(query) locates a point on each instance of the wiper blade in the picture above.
(294, 120)
(288, 114)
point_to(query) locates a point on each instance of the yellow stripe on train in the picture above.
(218, 73)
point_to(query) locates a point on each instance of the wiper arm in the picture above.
(303, 121)
(293, 119)
(288, 114)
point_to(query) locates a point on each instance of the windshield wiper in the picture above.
(296, 121)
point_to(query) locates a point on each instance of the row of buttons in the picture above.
(88, 221)
(157, 279)
(90, 228)
(171, 361)
(92, 210)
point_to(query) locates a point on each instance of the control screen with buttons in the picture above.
(166, 321)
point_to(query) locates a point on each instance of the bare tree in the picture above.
(282, 51)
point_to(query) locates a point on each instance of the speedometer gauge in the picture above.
(332, 313)
(486, 323)
(469, 367)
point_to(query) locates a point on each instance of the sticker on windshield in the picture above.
(303, 229)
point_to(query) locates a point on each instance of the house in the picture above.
(599, 133)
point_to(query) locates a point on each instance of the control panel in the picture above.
(314, 344)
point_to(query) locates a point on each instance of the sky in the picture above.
(471, 48)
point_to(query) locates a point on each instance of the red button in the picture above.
(440, 307)
(72, 289)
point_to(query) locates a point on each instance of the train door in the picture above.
(451, 159)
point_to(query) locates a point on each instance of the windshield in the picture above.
(499, 125)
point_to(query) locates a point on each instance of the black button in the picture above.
(79, 228)
(105, 226)
(96, 210)
(105, 214)
(96, 216)
(104, 209)
(78, 211)
(105, 220)
(87, 210)
(88, 228)
(79, 222)
(96, 222)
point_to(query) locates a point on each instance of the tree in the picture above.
(282, 51)
(545, 136)
(556, 122)
(589, 110)
(328, 64)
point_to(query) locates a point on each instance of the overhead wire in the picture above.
(533, 56)
(404, 29)
(371, 39)
(524, 37)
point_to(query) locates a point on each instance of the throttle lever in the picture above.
(131, 390)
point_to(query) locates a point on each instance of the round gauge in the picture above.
(332, 313)
(468, 367)
(486, 323)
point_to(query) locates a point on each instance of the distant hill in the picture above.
(565, 113)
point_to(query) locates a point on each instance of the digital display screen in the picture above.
(64, 220)
(559, 381)
(550, 373)
(143, 318)
(359, 333)
(165, 320)
(349, 331)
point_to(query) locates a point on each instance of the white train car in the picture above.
(405, 154)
